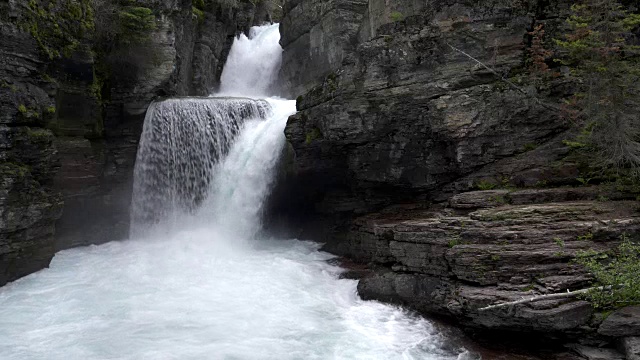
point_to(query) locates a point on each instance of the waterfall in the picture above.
(197, 280)
(253, 63)
(211, 160)
(182, 141)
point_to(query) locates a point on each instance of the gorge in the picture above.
(423, 149)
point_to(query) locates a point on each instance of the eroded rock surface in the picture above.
(622, 323)
(395, 111)
(453, 262)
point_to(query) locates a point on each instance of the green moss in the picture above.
(11, 169)
(199, 14)
(586, 237)
(58, 26)
(5, 85)
(22, 109)
(39, 134)
(499, 199)
(485, 185)
(314, 134)
(51, 110)
(396, 16)
(529, 147)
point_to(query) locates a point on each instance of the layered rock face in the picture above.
(188, 55)
(69, 138)
(404, 114)
(405, 105)
(29, 206)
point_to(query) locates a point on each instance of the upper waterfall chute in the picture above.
(183, 171)
(253, 63)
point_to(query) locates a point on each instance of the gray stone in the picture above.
(479, 199)
(591, 353)
(452, 264)
(623, 322)
(631, 347)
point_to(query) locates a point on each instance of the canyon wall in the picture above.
(70, 128)
(426, 148)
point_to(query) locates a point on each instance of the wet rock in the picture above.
(479, 199)
(631, 347)
(622, 323)
(591, 353)
(453, 264)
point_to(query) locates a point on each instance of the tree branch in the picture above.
(510, 83)
(565, 295)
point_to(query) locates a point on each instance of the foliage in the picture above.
(199, 14)
(58, 26)
(136, 24)
(485, 185)
(617, 275)
(122, 44)
(602, 61)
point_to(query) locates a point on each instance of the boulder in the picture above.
(623, 322)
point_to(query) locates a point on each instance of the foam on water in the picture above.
(196, 296)
(206, 287)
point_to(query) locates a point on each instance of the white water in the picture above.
(208, 287)
(252, 65)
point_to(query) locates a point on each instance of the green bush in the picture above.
(136, 23)
(617, 275)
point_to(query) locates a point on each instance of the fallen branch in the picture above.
(510, 83)
(565, 295)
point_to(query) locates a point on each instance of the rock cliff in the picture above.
(406, 110)
(72, 106)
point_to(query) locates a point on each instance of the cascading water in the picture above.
(252, 65)
(182, 141)
(206, 287)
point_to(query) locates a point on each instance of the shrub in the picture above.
(617, 275)
(136, 24)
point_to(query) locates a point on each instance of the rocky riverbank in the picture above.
(455, 187)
